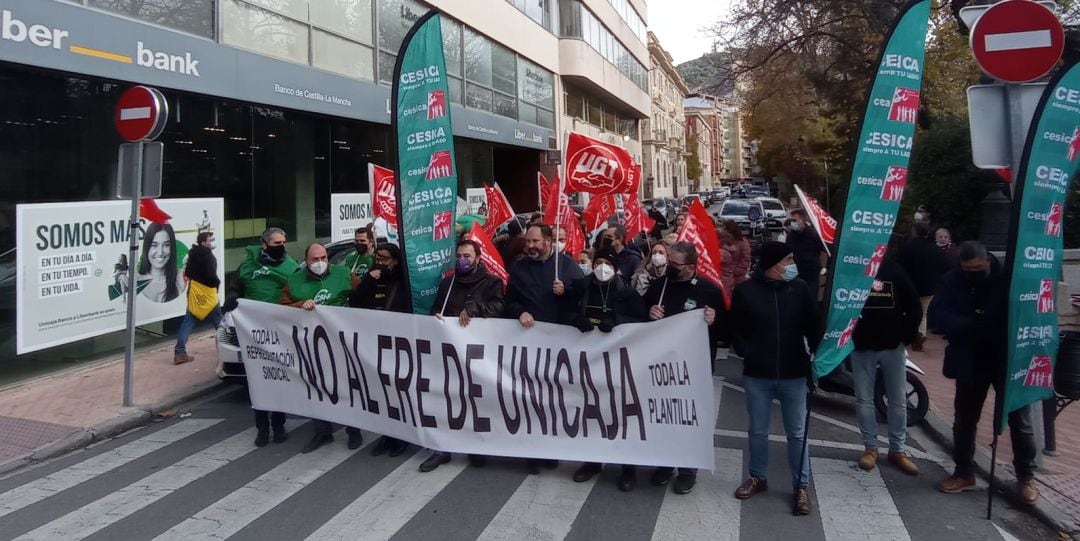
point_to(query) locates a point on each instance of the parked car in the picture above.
(774, 208)
(664, 205)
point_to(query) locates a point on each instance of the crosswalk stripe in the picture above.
(913, 453)
(45, 487)
(710, 511)
(93, 517)
(388, 505)
(543, 507)
(245, 505)
(855, 504)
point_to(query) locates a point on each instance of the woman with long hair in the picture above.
(652, 268)
(157, 265)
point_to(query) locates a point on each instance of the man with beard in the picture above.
(384, 288)
(627, 257)
(543, 287)
(471, 292)
(360, 261)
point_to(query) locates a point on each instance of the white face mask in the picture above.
(585, 268)
(318, 268)
(659, 260)
(604, 272)
(560, 247)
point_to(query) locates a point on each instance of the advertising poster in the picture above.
(477, 198)
(348, 212)
(72, 263)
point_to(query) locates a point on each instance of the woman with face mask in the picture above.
(584, 260)
(606, 302)
(652, 268)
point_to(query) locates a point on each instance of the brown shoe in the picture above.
(750, 487)
(956, 484)
(868, 460)
(903, 463)
(1029, 493)
(181, 358)
(801, 505)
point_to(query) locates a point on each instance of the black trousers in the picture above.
(970, 396)
(264, 420)
(325, 428)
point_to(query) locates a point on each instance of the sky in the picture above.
(677, 25)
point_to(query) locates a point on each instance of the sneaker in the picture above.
(903, 463)
(661, 476)
(628, 479)
(868, 460)
(356, 439)
(318, 441)
(262, 438)
(434, 461)
(280, 436)
(477, 461)
(587, 471)
(956, 484)
(381, 447)
(684, 483)
(751, 487)
(801, 504)
(182, 358)
(1029, 492)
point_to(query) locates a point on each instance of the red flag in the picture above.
(489, 256)
(635, 182)
(596, 167)
(149, 209)
(557, 209)
(825, 224)
(543, 188)
(575, 239)
(499, 211)
(701, 232)
(601, 207)
(637, 219)
(383, 198)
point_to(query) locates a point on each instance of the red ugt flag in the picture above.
(601, 207)
(637, 220)
(383, 197)
(596, 167)
(575, 239)
(701, 232)
(499, 211)
(489, 256)
(825, 224)
(543, 188)
(557, 209)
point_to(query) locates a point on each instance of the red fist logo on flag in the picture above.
(905, 106)
(441, 165)
(895, 183)
(849, 331)
(443, 226)
(436, 104)
(1053, 220)
(876, 259)
(1040, 373)
(1046, 297)
(1074, 145)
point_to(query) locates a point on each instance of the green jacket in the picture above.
(359, 265)
(332, 290)
(260, 281)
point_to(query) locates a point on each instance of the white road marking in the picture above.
(710, 511)
(52, 484)
(251, 501)
(134, 113)
(1016, 41)
(100, 514)
(855, 504)
(1006, 536)
(388, 505)
(913, 453)
(544, 507)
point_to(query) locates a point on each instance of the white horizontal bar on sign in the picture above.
(1015, 41)
(134, 113)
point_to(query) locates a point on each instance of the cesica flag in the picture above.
(873, 200)
(548, 392)
(427, 178)
(1051, 161)
(72, 265)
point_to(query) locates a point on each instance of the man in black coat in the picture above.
(924, 263)
(627, 257)
(202, 268)
(888, 324)
(682, 290)
(606, 302)
(806, 246)
(470, 292)
(970, 308)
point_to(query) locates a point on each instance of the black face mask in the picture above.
(674, 273)
(975, 277)
(361, 249)
(275, 253)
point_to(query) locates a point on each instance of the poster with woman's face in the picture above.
(73, 265)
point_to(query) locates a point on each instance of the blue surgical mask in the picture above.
(791, 272)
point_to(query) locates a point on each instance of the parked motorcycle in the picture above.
(842, 381)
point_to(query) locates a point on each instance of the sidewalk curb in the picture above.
(941, 431)
(134, 418)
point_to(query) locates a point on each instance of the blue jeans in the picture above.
(791, 393)
(894, 371)
(188, 324)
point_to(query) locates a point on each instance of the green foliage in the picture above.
(693, 161)
(942, 177)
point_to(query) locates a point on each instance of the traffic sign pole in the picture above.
(133, 253)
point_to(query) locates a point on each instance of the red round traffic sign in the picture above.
(141, 113)
(1017, 41)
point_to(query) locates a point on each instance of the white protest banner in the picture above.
(348, 212)
(492, 388)
(71, 266)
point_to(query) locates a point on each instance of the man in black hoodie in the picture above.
(202, 268)
(682, 290)
(627, 257)
(471, 292)
(773, 318)
(889, 322)
(384, 288)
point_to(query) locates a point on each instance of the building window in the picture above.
(578, 22)
(537, 10)
(263, 31)
(396, 17)
(350, 18)
(191, 16)
(340, 55)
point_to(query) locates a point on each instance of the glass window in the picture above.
(596, 114)
(535, 84)
(575, 104)
(477, 58)
(396, 17)
(452, 46)
(503, 69)
(527, 113)
(264, 32)
(351, 18)
(386, 67)
(478, 97)
(611, 123)
(297, 9)
(505, 105)
(537, 11)
(570, 19)
(455, 89)
(545, 118)
(194, 16)
(341, 55)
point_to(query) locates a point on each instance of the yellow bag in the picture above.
(201, 299)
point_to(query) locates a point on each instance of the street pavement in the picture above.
(198, 476)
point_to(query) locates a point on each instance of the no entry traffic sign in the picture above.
(1017, 41)
(141, 114)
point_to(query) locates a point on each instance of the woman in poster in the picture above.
(159, 278)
